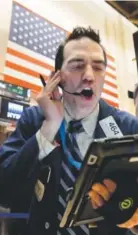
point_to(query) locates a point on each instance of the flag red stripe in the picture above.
(109, 57)
(111, 67)
(110, 75)
(110, 102)
(22, 69)
(110, 93)
(22, 83)
(110, 84)
(29, 58)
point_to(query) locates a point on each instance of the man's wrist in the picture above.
(45, 146)
(49, 130)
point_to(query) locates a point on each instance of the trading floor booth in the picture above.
(13, 100)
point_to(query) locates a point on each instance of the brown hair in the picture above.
(77, 33)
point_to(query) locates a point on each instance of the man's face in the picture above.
(83, 68)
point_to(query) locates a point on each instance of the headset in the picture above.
(86, 92)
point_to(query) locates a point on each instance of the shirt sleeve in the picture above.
(45, 147)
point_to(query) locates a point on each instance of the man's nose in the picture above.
(89, 74)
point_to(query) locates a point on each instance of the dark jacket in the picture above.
(20, 168)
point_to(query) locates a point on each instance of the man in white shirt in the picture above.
(45, 152)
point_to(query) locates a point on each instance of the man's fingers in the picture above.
(102, 191)
(56, 94)
(55, 76)
(51, 86)
(96, 198)
(133, 221)
(94, 205)
(55, 81)
(111, 185)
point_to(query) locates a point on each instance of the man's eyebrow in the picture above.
(75, 60)
(99, 62)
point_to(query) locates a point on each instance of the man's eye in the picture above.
(96, 68)
(78, 66)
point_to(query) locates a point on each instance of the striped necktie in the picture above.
(74, 128)
(68, 177)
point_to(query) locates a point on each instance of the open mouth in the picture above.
(87, 92)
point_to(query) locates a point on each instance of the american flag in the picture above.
(31, 50)
(110, 89)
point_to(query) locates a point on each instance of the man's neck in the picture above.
(77, 113)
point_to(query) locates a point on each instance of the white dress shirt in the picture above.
(83, 139)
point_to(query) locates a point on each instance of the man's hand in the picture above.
(133, 221)
(101, 193)
(52, 108)
(49, 100)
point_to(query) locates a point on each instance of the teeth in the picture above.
(87, 88)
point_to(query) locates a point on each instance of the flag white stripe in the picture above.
(111, 71)
(31, 53)
(109, 97)
(110, 79)
(109, 88)
(36, 68)
(111, 63)
(22, 76)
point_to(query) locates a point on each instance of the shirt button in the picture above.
(47, 225)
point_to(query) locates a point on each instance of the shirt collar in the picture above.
(89, 122)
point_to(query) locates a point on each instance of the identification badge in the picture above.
(39, 190)
(110, 127)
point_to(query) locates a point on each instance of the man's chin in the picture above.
(86, 99)
(87, 107)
